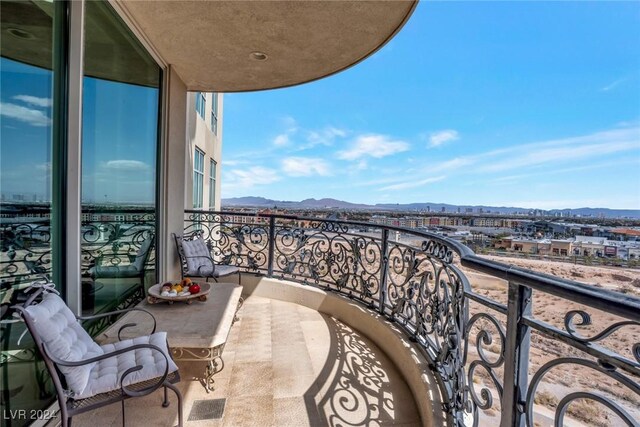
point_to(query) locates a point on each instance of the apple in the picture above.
(194, 288)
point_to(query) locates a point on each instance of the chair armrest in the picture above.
(132, 393)
(127, 325)
(76, 363)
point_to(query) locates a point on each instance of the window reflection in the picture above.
(119, 145)
(26, 135)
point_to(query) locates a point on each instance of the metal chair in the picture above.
(87, 376)
(196, 260)
(135, 268)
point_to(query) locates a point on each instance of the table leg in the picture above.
(214, 366)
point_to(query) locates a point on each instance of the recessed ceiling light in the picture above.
(258, 56)
(17, 32)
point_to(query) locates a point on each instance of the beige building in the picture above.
(561, 247)
(589, 246)
(204, 151)
(542, 247)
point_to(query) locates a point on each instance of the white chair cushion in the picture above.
(65, 339)
(222, 270)
(197, 256)
(105, 375)
(114, 271)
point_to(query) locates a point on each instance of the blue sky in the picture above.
(498, 103)
(119, 137)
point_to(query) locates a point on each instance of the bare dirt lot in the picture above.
(567, 378)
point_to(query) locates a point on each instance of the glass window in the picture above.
(30, 106)
(214, 113)
(201, 104)
(212, 183)
(198, 178)
(121, 100)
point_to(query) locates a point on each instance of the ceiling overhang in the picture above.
(215, 46)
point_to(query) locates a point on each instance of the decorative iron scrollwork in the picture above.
(418, 285)
(564, 403)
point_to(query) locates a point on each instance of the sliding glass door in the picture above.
(119, 146)
(32, 41)
(120, 121)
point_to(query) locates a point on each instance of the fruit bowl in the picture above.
(155, 295)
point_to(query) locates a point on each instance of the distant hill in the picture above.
(261, 202)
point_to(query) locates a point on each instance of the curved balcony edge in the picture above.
(407, 356)
(476, 345)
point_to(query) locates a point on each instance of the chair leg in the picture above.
(239, 278)
(179, 396)
(123, 418)
(165, 404)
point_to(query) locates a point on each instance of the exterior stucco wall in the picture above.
(200, 135)
(173, 182)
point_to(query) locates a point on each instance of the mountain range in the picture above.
(261, 202)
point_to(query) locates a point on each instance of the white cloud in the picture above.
(305, 166)
(235, 162)
(413, 183)
(611, 85)
(453, 164)
(126, 165)
(34, 100)
(562, 150)
(436, 139)
(325, 136)
(311, 138)
(290, 128)
(281, 140)
(44, 167)
(376, 146)
(543, 157)
(248, 178)
(362, 165)
(24, 114)
(290, 124)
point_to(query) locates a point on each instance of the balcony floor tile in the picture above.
(285, 365)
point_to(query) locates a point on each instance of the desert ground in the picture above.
(568, 378)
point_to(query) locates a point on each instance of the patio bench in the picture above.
(196, 332)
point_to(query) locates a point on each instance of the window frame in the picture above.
(214, 112)
(201, 104)
(198, 178)
(213, 168)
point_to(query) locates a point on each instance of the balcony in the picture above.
(350, 323)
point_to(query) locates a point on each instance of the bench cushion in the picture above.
(114, 271)
(105, 374)
(197, 257)
(64, 338)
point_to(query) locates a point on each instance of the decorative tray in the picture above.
(155, 296)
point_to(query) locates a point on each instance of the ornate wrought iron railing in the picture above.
(111, 237)
(509, 346)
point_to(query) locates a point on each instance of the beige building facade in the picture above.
(204, 150)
